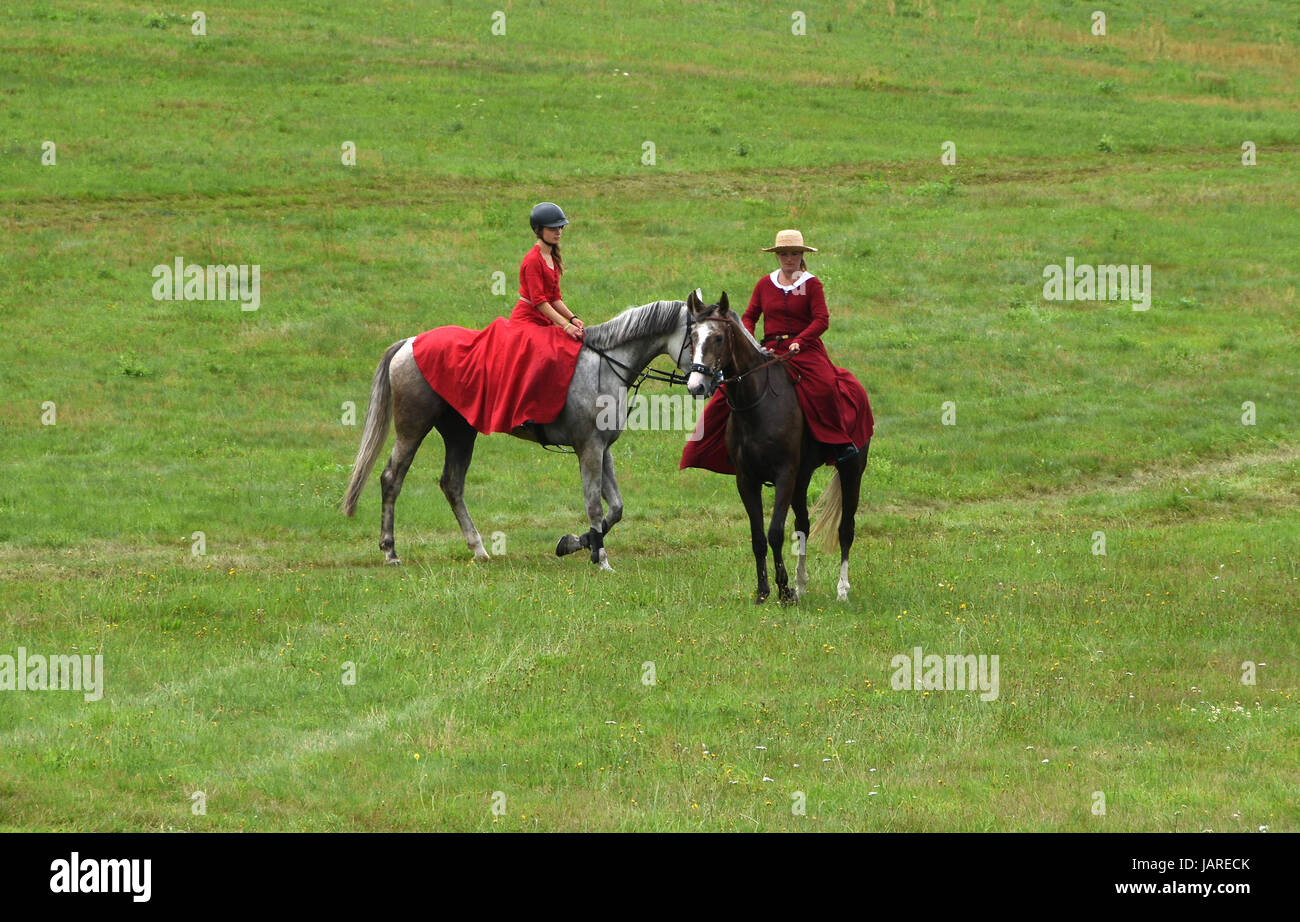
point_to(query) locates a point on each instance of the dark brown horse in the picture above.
(768, 442)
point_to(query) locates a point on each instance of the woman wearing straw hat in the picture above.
(792, 304)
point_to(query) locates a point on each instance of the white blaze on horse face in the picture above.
(697, 382)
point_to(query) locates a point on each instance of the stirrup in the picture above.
(850, 451)
(539, 432)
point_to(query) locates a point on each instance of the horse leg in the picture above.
(607, 488)
(408, 442)
(807, 464)
(751, 494)
(613, 500)
(850, 485)
(415, 407)
(591, 462)
(458, 438)
(776, 532)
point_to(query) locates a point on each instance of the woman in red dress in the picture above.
(539, 275)
(518, 369)
(793, 307)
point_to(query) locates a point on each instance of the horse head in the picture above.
(711, 343)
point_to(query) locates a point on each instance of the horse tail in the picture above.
(378, 417)
(826, 515)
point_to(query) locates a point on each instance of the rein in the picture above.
(767, 379)
(632, 382)
(775, 360)
(635, 379)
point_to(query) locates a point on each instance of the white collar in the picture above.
(798, 282)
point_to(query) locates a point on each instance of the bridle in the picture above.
(719, 379)
(635, 379)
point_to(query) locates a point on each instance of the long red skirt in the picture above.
(515, 370)
(834, 404)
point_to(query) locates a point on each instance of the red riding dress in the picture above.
(833, 402)
(515, 370)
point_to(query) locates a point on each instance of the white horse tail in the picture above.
(379, 416)
(826, 515)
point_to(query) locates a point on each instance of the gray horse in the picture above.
(615, 353)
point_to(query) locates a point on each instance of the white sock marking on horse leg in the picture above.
(801, 576)
(842, 590)
(475, 542)
(604, 561)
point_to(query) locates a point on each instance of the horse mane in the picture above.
(735, 320)
(635, 322)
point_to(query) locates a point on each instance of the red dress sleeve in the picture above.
(534, 286)
(821, 318)
(754, 311)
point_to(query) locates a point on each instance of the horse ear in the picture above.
(693, 302)
(722, 304)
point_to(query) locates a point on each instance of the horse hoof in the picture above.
(788, 597)
(484, 556)
(567, 545)
(392, 562)
(761, 597)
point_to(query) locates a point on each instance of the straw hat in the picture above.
(789, 240)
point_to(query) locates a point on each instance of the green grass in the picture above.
(524, 675)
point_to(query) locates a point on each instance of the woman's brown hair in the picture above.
(555, 252)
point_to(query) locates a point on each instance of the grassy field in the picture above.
(519, 683)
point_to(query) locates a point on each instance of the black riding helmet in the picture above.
(547, 214)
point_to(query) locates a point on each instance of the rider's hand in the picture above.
(794, 347)
(577, 322)
(574, 331)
